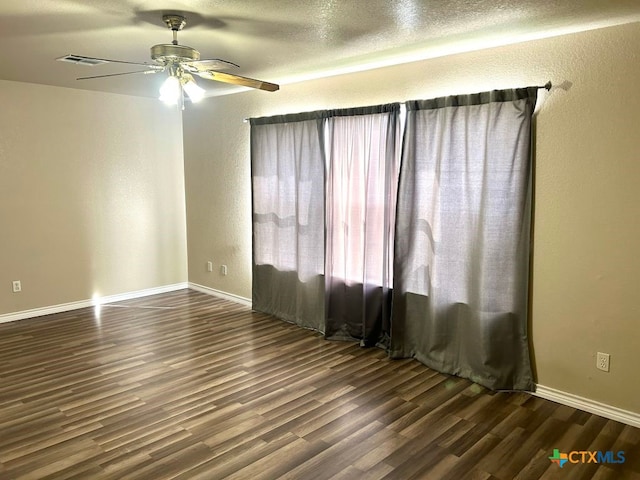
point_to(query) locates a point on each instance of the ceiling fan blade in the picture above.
(238, 80)
(210, 64)
(117, 74)
(91, 61)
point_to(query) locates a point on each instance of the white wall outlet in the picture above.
(602, 361)
(223, 270)
(209, 266)
(17, 286)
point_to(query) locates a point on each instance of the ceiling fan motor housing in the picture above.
(169, 53)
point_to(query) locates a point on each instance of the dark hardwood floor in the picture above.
(187, 386)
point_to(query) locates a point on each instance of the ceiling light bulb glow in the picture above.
(195, 92)
(170, 91)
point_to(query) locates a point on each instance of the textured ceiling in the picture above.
(280, 41)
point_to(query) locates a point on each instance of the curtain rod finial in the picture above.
(547, 85)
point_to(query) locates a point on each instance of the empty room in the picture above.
(319, 240)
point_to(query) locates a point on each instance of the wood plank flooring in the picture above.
(186, 386)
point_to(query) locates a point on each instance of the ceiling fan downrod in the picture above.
(170, 53)
(175, 23)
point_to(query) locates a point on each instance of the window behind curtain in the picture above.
(325, 188)
(363, 172)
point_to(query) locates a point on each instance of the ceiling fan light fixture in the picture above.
(171, 91)
(179, 62)
(194, 91)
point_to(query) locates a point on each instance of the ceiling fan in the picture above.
(181, 63)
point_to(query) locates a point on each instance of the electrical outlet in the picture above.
(209, 266)
(17, 286)
(602, 361)
(223, 270)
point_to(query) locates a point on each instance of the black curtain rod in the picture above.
(547, 86)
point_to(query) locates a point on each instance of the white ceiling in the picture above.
(280, 41)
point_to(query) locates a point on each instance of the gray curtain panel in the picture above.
(362, 163)
(461, 265)
(288, 189)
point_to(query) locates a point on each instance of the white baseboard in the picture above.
(217, 293)
(591, 406)
(66, 307)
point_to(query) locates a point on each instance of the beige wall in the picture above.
(586, 271)
(91, 195)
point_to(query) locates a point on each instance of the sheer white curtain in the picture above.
(362, 171)
(462, 237)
